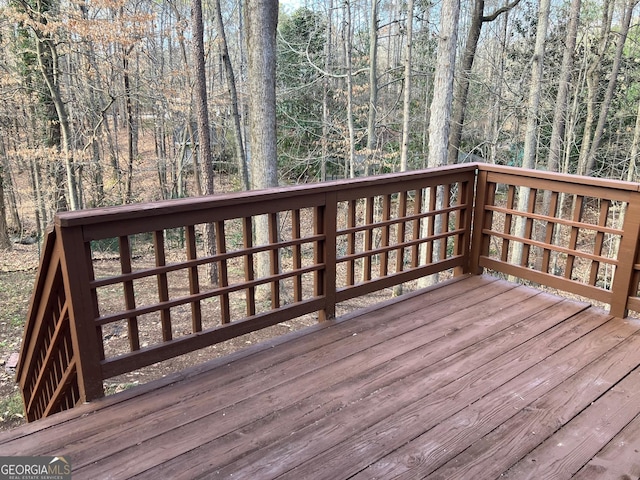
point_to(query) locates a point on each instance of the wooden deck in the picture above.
(477, 378)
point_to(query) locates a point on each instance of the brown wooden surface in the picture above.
(476, 378)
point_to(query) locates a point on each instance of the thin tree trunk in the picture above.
(608, 97)
(531, 132)
(373, 87)
(593, 86)
(235, 112)
(325, 94)
(632, 174)
(204, 137)
(406, 108)
(5, 241)
(349, 78)
(560, 111)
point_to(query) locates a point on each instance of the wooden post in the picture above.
(86, 337)
(480, 244)
(627, 253)
(325, 252)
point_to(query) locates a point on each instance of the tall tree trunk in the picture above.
(439, 123)
(131, 124)
(611, 86)
(233, 93)
(325, 94)
(5, 241)
(560, 111)
(348, 32)
(593, 85)
(632, 172)
(406, 108)
(462, 92)
(204, 136)
(373, 87)
(261, 22)
(46, 47)
(531, 132)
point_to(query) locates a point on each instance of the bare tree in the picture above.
(611, 85)
(560, 111)
(478, 18)
(202, 114)
(440, 121)
(233, 93)
(406, 110)
(261, 22)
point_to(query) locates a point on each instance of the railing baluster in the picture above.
(578, 205)
(599, 240)
(368, 239)
(417, 208)
(508, 219)
(351, 240)
(129, 294)
(431, 223)
(223, 272)
(194, 281)
(446, 203)
(249, 274)
(549, 231)
(401, 230)
(274, 254)
(163, 285)
(297, 255)
(528, 226)
(384, 237)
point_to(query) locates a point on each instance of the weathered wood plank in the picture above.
(397, 374)
(497, 451)
(571, 447)
(619, 460)
(465, 292)
(291, 378)
(446, 383)
(464, 376)
(415, 419)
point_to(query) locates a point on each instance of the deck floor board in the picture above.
(478, 378)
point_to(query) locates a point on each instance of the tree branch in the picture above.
(500, 11)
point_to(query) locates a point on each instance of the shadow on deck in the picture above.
(474, 378)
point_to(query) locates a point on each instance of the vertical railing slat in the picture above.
(274, 259)
(194, 280)
(297, 255)
(223, 272)
(249, 274)
(129, 294)
(163, 284)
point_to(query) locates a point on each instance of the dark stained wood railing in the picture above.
(577, 234)
(136, 271)
(142, 268)
(47, 370)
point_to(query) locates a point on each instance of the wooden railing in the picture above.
(571, 233)
(135, 272)
(125, 287)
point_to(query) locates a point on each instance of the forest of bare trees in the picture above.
(106, 102)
